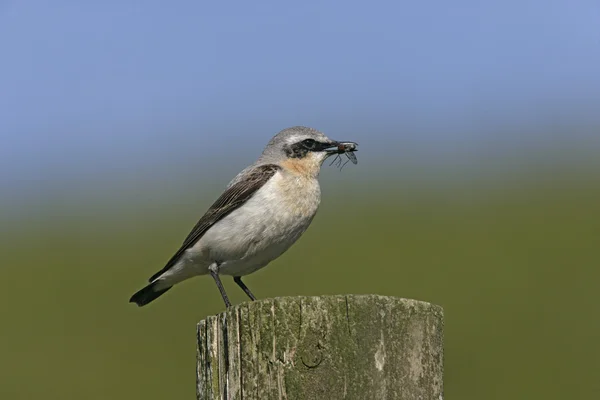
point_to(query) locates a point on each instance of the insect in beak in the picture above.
(345, 148)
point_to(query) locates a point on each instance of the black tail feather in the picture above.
(147, 294)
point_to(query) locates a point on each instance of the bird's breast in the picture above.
(265, 226)
(299, 195)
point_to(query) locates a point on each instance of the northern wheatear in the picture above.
(261, 214)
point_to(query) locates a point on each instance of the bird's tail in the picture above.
(148, 294)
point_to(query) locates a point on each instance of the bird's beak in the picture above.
(336, 147)
(347, 148)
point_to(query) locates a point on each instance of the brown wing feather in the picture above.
(233, 197)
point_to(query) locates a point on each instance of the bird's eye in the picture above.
(309, 143)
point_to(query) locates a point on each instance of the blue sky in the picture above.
(102, 87)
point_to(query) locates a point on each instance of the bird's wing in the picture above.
(233, 197)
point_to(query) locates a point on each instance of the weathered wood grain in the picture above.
(331, 347)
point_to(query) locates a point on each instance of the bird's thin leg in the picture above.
(238, 280)
(215, 274)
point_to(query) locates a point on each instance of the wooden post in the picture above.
(322, 348)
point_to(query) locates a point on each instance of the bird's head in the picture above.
(305, 148)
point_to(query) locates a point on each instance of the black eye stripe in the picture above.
(309, 143)
(300, 149)
(313, 145)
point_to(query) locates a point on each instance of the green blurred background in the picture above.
(514, 265)
(477, 188)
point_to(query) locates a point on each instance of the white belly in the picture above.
(256, 233)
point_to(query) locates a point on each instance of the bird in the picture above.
(263, 211)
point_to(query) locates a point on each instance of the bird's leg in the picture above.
(214, 272)
(238, 280)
